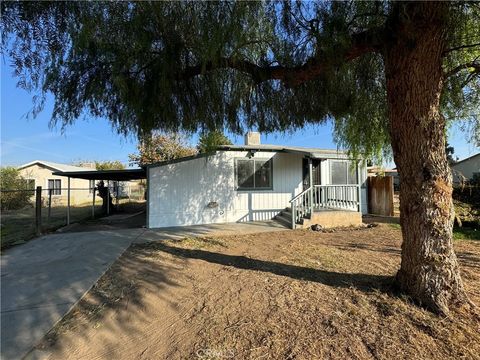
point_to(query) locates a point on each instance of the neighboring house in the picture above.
(40, 173)
(255, 182)
(466, 169)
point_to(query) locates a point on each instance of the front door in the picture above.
(316, 173)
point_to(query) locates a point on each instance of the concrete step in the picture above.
(284, 219)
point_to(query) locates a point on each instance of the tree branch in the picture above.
(362, 43)
(472, 64)
(460, 47)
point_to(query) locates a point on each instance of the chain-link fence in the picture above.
(29, 213)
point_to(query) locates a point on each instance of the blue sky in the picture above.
(24, 140)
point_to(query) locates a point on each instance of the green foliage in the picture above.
(161, 147)
(15, 193)
(209, 141)
(128, 61)
(109, 165)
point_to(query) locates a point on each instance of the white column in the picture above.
(359, 192)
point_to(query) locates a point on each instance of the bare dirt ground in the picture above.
(283, 295)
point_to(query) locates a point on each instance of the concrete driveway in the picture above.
(42, 279)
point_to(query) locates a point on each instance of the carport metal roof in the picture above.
(115, 175)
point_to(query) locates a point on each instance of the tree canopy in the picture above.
(190, 65)
(209, 141)
(161, 147)
(109, 165)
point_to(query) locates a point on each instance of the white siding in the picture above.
(179, 193)
(464, 170)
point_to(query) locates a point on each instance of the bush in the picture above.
(14, 192)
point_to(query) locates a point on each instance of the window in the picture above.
(343, 173)
(91, 186)
(55, 185)
(254, 174)
(30, 184)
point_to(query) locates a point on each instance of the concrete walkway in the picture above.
(180, 232)
(42, 279)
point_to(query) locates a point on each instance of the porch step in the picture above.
(285, 218)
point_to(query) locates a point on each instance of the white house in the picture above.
(255, 182)
(465, 169)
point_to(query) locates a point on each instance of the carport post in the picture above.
(108, 197)
(68, 202)
(94, 190)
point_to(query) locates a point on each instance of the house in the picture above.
(466, 169)
(40, 173)
(254, 182)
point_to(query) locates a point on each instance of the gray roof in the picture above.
(311, 152)
(466, 159)
(55, 166)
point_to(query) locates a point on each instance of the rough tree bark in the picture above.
(413, 64)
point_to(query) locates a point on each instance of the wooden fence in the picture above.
(380, 195)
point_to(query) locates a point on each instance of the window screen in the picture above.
(56, 186)
(254, 174)
(343, 173)
(339, 172)
(30, 184)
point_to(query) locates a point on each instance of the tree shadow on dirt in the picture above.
(121, 290)
(364, 282)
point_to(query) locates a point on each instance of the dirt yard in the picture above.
(283, 295)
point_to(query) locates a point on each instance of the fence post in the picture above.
(93, 205)
(38, 210)
(49, 203)
(108, 197)
(68, 202)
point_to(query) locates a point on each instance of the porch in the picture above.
(330, 205)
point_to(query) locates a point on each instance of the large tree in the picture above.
(157, 147)
(389, 74)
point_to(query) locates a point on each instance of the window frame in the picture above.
(27, 180)
(348, 163)
(57, 191)
(253, 159)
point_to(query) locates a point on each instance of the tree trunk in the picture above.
(413, 66)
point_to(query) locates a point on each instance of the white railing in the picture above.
(301, 206)
(336, 197)
(318, 197)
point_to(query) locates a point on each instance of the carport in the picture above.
(105, 175)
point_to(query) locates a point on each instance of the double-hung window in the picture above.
(253, 174)
(343, 173)
(55, 185)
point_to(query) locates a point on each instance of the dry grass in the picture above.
(283, 295)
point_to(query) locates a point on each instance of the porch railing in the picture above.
(318, 197)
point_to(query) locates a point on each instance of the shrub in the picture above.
(14, 192)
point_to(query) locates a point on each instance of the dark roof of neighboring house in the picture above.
(466, 159)
(310, 152)
(116, 175)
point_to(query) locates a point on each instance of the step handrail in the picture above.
(299, 195)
